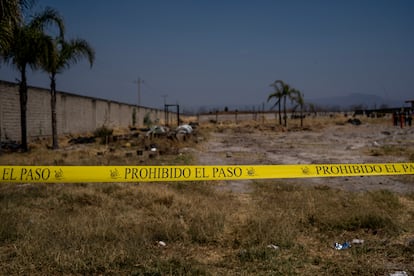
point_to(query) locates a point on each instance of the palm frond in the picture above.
(46, 18)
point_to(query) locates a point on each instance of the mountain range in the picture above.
(358, 100)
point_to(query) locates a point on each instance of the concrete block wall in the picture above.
(75, 114)
(38, 113)
(9, 112)
(233, 117)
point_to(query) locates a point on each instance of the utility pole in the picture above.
(139, 81)
(165, 98)
(165, 109)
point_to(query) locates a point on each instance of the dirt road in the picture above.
(370, 142)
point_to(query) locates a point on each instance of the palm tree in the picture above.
(28, 45)
(12, 9)
(283, 91)
(297, 97)
(278, 95)
(11, 14)
(61, 56)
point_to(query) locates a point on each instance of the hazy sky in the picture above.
(206, 53)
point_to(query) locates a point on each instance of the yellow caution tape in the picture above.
(54, 174)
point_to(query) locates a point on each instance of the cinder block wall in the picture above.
(75, 114)
(232, 117)
(9, 112)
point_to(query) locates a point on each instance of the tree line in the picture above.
(25, 42)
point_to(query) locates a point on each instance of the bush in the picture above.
(147, 120)
(103, 132)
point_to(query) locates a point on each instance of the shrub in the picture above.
(103, 132)
(147, 120)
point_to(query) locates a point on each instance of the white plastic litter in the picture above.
(399, 273)
(184, 129)
(357, 241)
(272, 246)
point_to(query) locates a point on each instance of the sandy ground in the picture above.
(337, 143)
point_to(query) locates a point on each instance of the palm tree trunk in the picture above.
(53, 108)
(284, 111)
(23, 108)
(280, 113)
(301, 116)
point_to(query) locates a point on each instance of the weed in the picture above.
(103, 132)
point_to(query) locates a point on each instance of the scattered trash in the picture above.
(342, 246)
(355, 122)
(357, 241)
(161, 243)
(151, 147)
(399, 273)
(376, 144)
(153, 151)
(82, 140)
(184, 129)
(10, 146)
(272, 246)
(157, 130)
(194, 125)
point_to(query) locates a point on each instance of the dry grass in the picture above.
(115, 229)
(130, 150)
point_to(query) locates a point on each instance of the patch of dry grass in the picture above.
(115, 229)
(104, 228)
(130, 150)
(394, 150)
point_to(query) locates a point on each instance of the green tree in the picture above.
(10, 15)
(28, 45)
(13, 9)
(61, 56)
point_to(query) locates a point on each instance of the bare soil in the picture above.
(319, 141)
(374, 141)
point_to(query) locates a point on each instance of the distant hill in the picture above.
(356, 100)
(340, 103)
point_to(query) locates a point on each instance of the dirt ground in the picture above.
(374, 141)
(320, 141)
